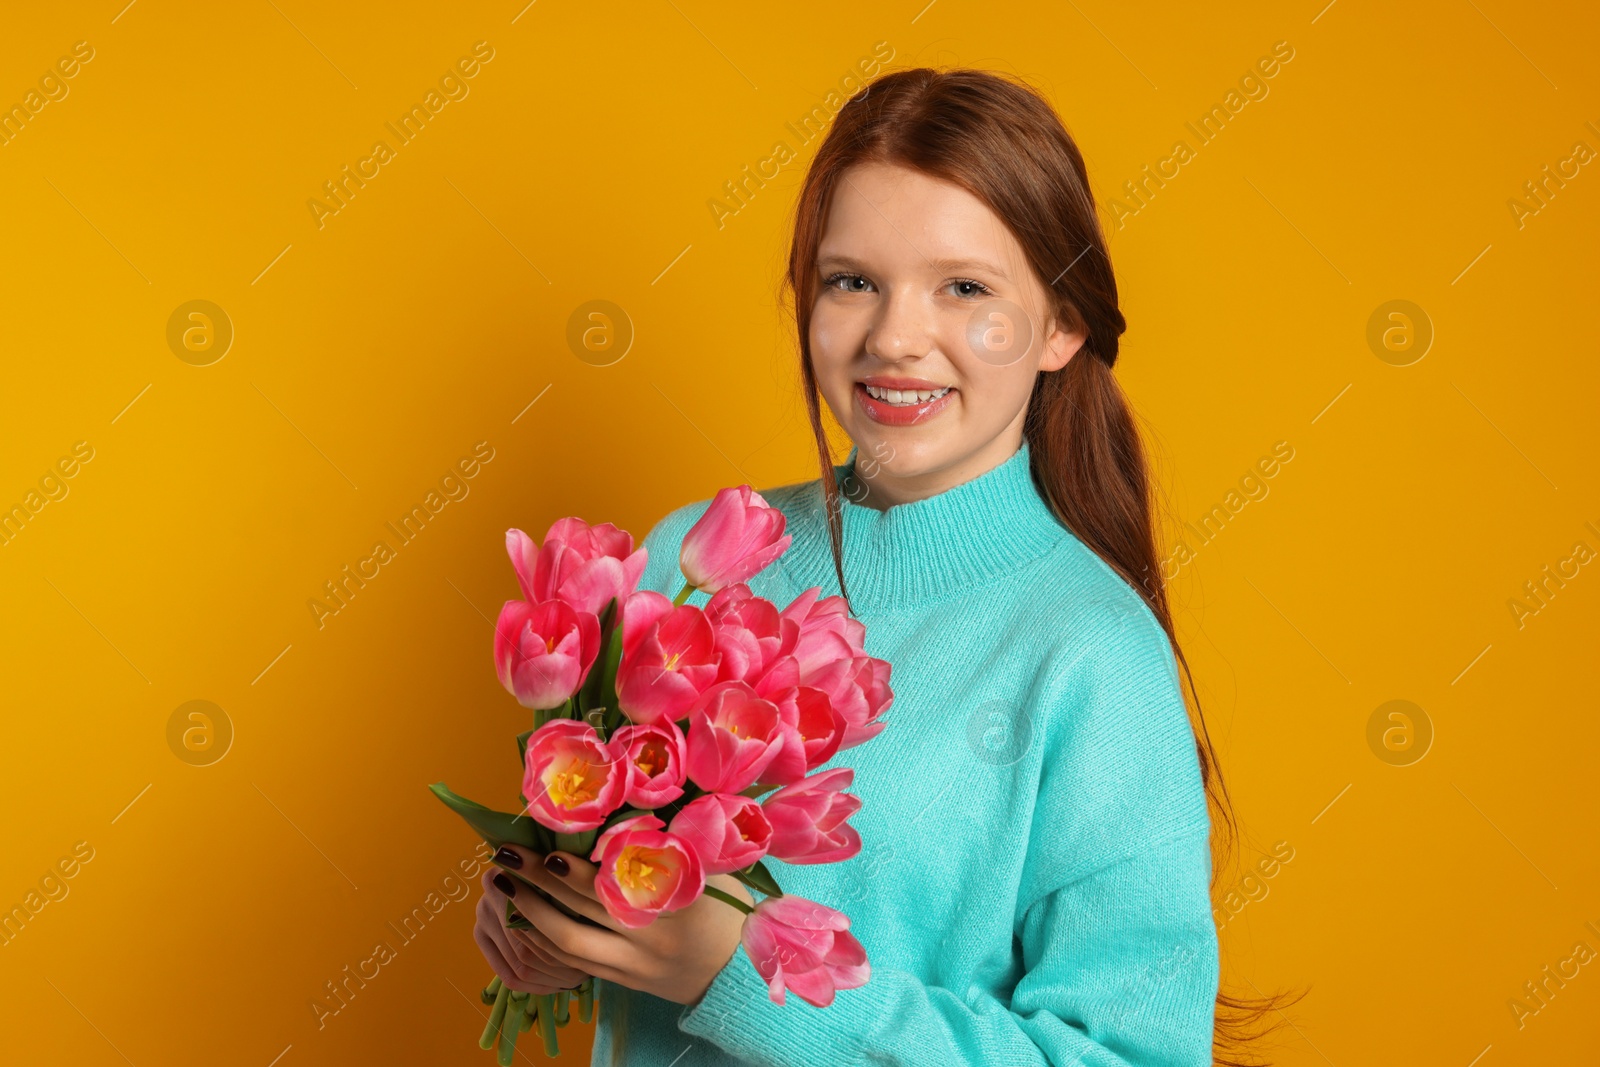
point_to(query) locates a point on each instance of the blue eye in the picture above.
(833, 281)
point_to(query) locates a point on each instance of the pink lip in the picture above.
(891, 415)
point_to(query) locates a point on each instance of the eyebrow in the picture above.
(947, 266)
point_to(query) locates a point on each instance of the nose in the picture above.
(901, 329)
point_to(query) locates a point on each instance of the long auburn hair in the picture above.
(1002, 142)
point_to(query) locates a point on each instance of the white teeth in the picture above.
(905, 396)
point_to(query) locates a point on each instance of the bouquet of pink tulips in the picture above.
(671, 743)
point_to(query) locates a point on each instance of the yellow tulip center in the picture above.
(633, 872)
(573, 785)
(652, 759)
(671, 662)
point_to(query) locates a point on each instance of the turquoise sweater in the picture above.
(1033, 881)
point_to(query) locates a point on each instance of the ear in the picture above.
(1060, 346)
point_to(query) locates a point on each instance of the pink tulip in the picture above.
(812, 731)
(655, 756)
(669, 658)
(729, 831)
(808, 819)
(749, 632)
(571, 779)
(583, 565)
(737, 537)
(827, 615)
(733, 735)
(801, 945)
(542, 652)
(859, 689)
(644, 872)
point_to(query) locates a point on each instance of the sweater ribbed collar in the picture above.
(930, 548)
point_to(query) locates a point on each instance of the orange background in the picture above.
(374, 351)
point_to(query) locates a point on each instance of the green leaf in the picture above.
(757, 877)
(496, 827)
(514, 919)
(590, 695)
(522, 747)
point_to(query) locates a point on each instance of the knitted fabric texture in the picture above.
(1033, 885)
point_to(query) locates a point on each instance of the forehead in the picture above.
(895, 213)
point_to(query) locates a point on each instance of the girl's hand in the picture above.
(675, 957)
(521, 964)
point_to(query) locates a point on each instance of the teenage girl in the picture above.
(1034, 882)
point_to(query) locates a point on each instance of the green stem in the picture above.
(586, 1000)
(683, 595)
(496, 1014)
(713, 891)
(547, 1025)
(561, 1006)
(510, 1027)
(488, 992)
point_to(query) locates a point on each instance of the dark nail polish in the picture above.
(503, 883)
(556, 865)
(507, 858)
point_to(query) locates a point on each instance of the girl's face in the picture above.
(923, 288)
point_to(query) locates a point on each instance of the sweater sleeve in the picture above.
(1113, 912)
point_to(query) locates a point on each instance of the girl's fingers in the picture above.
(513, 959)
(584, 948)
(575, 889)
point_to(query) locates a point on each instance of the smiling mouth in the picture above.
(905, 397)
